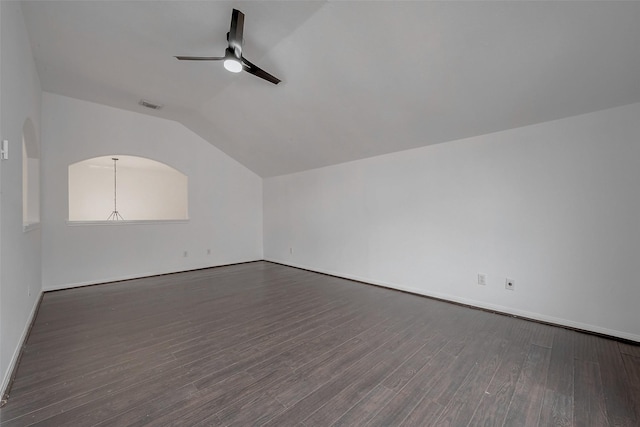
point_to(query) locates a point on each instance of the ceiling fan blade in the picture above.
(200, 58)
(259, 72)
(236, 32)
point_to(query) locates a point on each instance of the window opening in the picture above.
(132, 188)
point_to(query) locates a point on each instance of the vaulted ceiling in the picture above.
(359, 79)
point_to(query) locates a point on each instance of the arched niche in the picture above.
(138, 188)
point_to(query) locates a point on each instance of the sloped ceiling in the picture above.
(359, 78)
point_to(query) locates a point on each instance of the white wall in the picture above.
(225, 199)
(20, 274)
(555, 206)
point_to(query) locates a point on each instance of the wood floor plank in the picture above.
(254, 411)
(253, 391)
(396, 351)
(322, 369)
(493, 404)
(426, 413)
(403, 402)
(354, 373)
(56, 406)
(526, 402)
(616, 388)
(589, 408)
(181, 409)
(363, 411)
(77, 388)
(632, 367)
(261, 343)
(93, 412)
(557, 406)
(308, 350)
(237, 398)
(405, 372)
(460, 408)
(308, 377)
(148, 408)
(630, 349)
(479, 348)
(542, 335)
(585, 347)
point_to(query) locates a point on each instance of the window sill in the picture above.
(126, 222)
(30, 227)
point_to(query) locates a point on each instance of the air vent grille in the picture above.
(151, 105)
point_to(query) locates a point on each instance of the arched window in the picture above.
(30, 176)
(129, 188)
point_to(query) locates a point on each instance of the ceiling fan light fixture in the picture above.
(233, 59)
(233, 65)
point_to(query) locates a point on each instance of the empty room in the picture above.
(320, 213)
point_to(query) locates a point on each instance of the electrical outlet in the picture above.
(482, 279)
(185, 254)
(4, 149)
(509, 284)
(290, 251)
(208, 251)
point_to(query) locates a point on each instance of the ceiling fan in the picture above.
(233, 59)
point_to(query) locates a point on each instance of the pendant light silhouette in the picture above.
(115, 215)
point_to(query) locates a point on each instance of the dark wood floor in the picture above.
(263, 344)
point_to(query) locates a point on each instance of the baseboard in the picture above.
(15, 358)
(135, 276)
(537, 317)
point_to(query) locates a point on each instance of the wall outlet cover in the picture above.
(509, 284)
(482, 279)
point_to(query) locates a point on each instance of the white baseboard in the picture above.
(135, 276)
(479, 304)
(105, 280)
(16, 354)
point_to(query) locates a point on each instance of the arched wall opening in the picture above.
(137, 188)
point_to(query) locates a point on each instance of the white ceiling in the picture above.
(359, 78)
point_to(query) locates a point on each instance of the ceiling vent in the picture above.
(151, 105)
